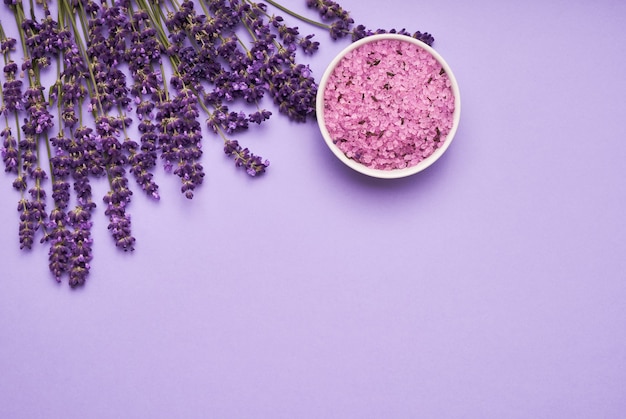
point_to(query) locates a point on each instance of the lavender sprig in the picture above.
(10, 153)
(40, 39)
(104, 51)
(119, 195)
(143, 54)
(10, 103)
(291, 85)
(84, 162)
(339, 24)
(253, 165)
(81, 253)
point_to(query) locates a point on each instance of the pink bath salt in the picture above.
(388, 104)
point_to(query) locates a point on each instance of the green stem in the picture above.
(155, 18)
(294, 14)
(7, 59)
(34, 82)
(83, 50)
(18, 11)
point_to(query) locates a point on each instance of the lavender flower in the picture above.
(7, 44)
(144, 159)
(28, 223)
(328, 9)
(42, 41)
(38, 197)
(39, 120)
(294, 90)
(73, 74)
(79, 218)
(361, 32)
(87, 158)
(60, 244)
(253, 165)
(308, 46)
(80, 247)
(180, 137)
(187, 142)
(19, 183)
(119, 220)
(12, 89)
(144, 51)
(9, 151)
(291, 85)
(259, 116)
(61, 169)
(119, 195)
(105, 53)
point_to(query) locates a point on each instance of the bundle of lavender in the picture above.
(160, 64)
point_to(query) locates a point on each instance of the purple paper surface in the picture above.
(491, 285)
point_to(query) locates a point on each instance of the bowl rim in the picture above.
(393, 173)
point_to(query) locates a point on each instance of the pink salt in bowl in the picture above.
(388, 106)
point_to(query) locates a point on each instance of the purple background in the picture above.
(492, 285)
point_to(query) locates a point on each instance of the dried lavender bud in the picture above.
(308, 46)
(294, 90)
(28, 224)
(39, 118)
(144, 51)
(361, 32)
(141, 162)
(74, 72)
(119, 220)
(61, 193)
(288, 35)
(105, 52)
(80, 252)
(328, 9)
(7, 44)
(28, 150)
(180, 138)
(236, 121)
(42, 41)
(9, 151)
(259, 116)
(252, 164)
(12, 89)
(119, 195)
(340, 28)
(19, 183)
(60, 247)
(143, 158)
(85, 154)
(38, 198)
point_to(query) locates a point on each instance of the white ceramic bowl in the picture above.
(392, 173)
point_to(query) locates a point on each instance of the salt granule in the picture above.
(388, 104)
